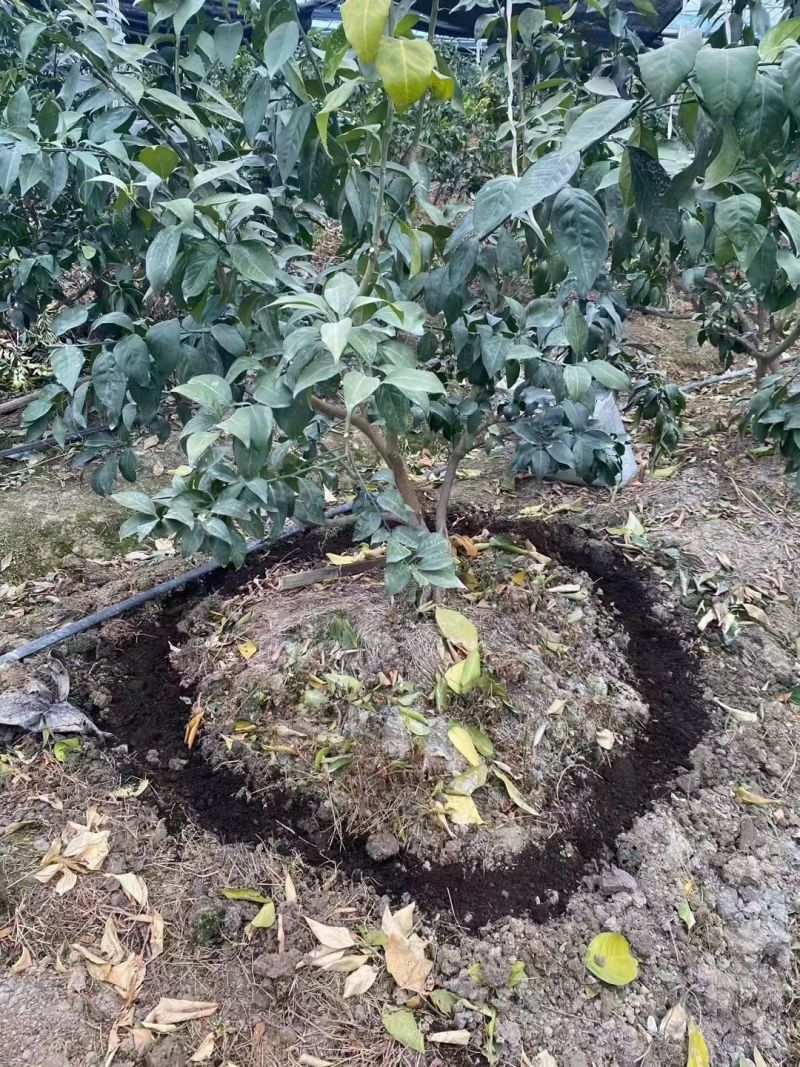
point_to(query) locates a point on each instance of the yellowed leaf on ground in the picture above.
(155, 942)
(193, 728)
(133, 887)
(746, 796)
(111, 946)
(171, 1012)
(23, 963)
(514, 792)
(331, 936)
(462, 810)
(247, 649)
(457, 628)
(450, 1037)
(336, 959)
(406, 962)
(126, 977)
(314, 1061)
(463, 675)
(609, 958)
(698, 1049)
(265, 919)
(289, 890)
(357, 983)
(204, 1051)
(605, 739)
(126, 792)
(462, 741)
(469, 780)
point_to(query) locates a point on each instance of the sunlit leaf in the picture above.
(609, 958)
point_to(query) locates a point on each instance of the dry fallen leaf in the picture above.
(450, 1037)
(89, 848)
(133, 887)
(193, 728)
(289, 890)
(605, 739)
(23, 963)
(314, 1061)
(334, 937)
(170, 1012)
(746, 796)
(406, 962)
(462, 741)
(360, 981)
(544, 1059)
(204, 1051)
(673, 1026)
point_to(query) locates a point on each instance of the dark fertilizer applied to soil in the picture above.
(149, 707)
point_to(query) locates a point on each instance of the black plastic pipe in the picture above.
(163, 589)
(48, 442)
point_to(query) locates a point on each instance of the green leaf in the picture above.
(736, 216)
(161, 160)
(546, 177)
(280, 46)
(19, 110)
(724, 163)
(69, 319)
(651, 187)
(411, 380)
(209, 391)
(161, 257)
(594, 124)
(28, 37)
(255, 107)
(335, 335)
(403, 1027)
(514, 792)
(760, 117)
(778, 39)
(62, 750)
(608, 375)
(664, 69)
(227, 41)
(109, 383)
(790, 69)
(609, 958)
(67, 364)
(290, 140)
(185, 10)
(266, 917)
(457, 628)
(133, 501)
(253, 260)
(201, 266)
(243, 893)
(791, 220)
(577, 380)
(494, 204)
(357, 388)
(318, 370)
(576, 328)
(405, 68)
(724, 77)
(581, 235)
(363, 22)
(133, 357)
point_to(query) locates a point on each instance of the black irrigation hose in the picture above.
(48, 442)
(113, 611)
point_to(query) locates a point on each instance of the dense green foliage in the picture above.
(187, 176)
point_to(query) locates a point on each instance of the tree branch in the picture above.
(784, 345)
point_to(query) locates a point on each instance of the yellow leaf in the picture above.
(363, 22)
(609, 958)
(247, 649)
(462, 741)
(605, 739)
(23, 963)
(468, 781)
(457, 628)
(514, 792)
(405, 68)
(745, 796)
(192, 728)
(133, 887)
(88, 848)
(698, 1049)
(441, 86)
(462, 810)
(464, 674)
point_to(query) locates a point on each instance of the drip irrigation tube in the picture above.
(163, 589)
(48, 442)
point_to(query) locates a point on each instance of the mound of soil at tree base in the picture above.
(148, 709)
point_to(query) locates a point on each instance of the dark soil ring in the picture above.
(149, 711)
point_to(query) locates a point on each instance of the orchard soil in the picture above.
(626, 839)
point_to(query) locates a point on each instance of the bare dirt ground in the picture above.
(700, 875)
